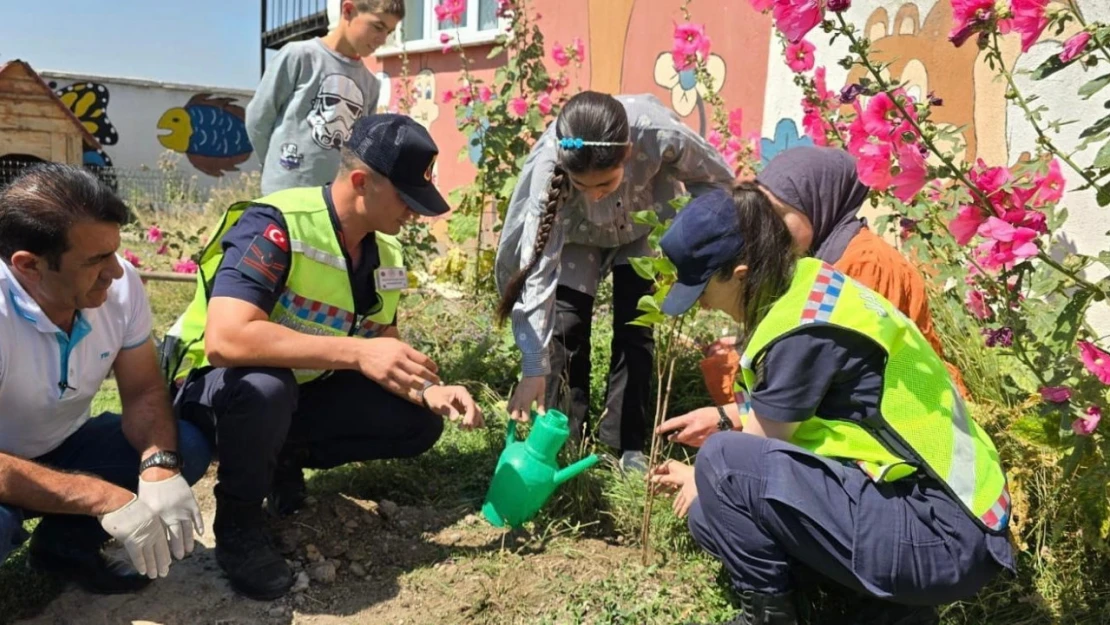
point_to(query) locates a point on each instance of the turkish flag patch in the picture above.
(277, 237)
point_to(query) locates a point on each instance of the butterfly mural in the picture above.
(88, 101)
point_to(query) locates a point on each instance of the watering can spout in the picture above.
(572, 470)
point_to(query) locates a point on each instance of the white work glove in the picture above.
(173, 501)
(142, 534)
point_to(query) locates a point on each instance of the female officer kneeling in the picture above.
(857, 459)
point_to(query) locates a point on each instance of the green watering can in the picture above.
(527, 472)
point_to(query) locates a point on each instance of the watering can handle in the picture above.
(510, 433)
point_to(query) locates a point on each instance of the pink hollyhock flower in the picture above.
(715, 139)
(795, 18)
(450, 11)
(132, 258)
(996, 254)
(465, 96)
(448, 96)
(838, 6)
(544, 103)
(990, 180)
(966, 223)
(154, 234)
(883, 120)
(1096, 361)
(445, 40)
(485, 94)
(504, 7)
(735, 122)
(690, 41)
(761, 5)
(1055, 394)
(873, 165)
(977, 303)
(559, 54)
(1028, 18)
(1049, 187)
(579, 49)
(185, 266)
(968, 17)
(518, 107)
(911, 178)
(1074, 47)
(799, 56)
(1086, 425)
(162, 249)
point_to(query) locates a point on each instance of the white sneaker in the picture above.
(634, 462)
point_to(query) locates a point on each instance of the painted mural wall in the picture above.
(137, 122)
(628, 50)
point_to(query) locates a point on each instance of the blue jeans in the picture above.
(767, 508)
(98, 448)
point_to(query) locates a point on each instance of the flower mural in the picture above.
(686, 93)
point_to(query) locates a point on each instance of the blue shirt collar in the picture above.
(26, 307)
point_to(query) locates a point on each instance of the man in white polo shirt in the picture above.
(71, 311)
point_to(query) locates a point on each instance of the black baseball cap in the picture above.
(703, 238)
(399, 148)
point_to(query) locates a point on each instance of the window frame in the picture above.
(466, 35)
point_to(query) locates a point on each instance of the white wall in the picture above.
(208, 144)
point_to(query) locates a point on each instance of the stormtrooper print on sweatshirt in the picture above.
(303, 111)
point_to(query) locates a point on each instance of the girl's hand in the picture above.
(676, 476)
(530, 390)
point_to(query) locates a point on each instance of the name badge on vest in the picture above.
(391, 278)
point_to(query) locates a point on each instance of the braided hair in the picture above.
(591, 118)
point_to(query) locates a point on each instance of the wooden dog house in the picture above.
(34, 124)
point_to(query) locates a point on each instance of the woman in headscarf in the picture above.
(818, 194)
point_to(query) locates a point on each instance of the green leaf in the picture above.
(1103, 157)
(646, 218)
(1103, 196)
(496, 50)
(644, 267)
(1051, 65)
(664, 266)
(1094, 86)
(462, 228)
(648, 320)
(648, 304)
(1070, 320)
(1096, 127)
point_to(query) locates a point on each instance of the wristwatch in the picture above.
(164, 459)
(724, 424)
(427, 385)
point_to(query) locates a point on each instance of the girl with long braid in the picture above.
(568, 225)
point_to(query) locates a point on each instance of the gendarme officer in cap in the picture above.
(288, 356)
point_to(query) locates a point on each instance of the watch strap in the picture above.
(164, 459)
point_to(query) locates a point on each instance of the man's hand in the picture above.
(142, 534)
(396, 366)
(675, 476)
(530, 390)
(455, 402)
(691, 428)
(173, 501)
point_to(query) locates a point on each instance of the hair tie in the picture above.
(576, 143)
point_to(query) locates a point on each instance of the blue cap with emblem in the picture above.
(703, 238)
(399, 148)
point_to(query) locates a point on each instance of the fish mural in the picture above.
(88, 101)
(209, 131)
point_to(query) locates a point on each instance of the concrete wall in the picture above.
(137, 122)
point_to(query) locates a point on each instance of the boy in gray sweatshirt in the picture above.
(312, 93)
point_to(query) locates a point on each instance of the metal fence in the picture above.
(144, 189)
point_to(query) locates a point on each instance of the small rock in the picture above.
(301, 583)
(299, 599)
(388, 509)
(313, 553)
(335, 549)
(471, 519)
(323, 572)
(310, 501)
(277, 611)
(351, 525)
(357, 569)
(288, 541)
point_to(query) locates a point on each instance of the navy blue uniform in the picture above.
(765, 506)
(257, 413)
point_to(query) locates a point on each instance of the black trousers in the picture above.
(253, 415)
(630, 368)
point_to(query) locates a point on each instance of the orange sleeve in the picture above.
(878, 266)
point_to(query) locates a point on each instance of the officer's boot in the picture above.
(766, 609)
(245, 551)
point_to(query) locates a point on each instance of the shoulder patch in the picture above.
(277, 235)
(263, 261)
